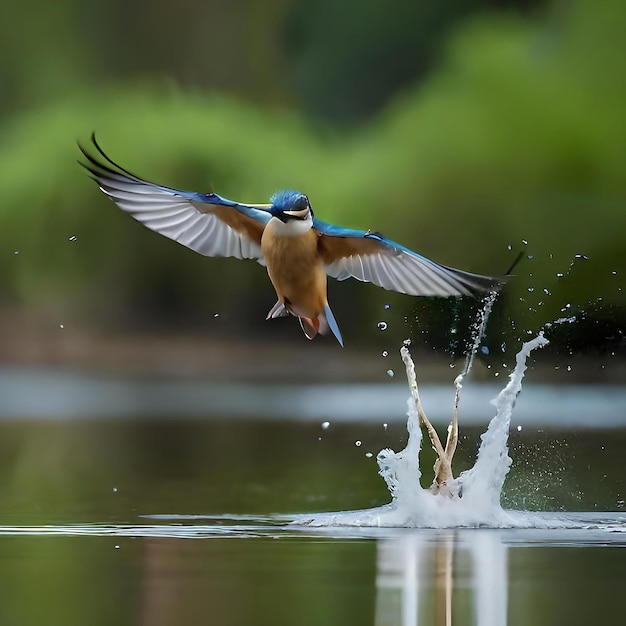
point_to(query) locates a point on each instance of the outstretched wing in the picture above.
(372, 258)
(204, 222)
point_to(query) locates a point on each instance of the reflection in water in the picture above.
(417, 579)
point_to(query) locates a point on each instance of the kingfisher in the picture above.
(298, 250)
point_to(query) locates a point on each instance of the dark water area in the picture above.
(191, 519)
(117, 469)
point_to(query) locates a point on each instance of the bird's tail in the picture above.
(322, 324)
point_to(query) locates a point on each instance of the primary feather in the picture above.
(372, 258)
(205, 222)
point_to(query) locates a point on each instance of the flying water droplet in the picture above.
(325, 425)
(385, 353)
(357, 443)
(73, 238)
(387, 306)
(382, 325)
(390, 373)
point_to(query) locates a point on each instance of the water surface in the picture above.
(187, 521)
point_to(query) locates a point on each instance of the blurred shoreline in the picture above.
(32, 344)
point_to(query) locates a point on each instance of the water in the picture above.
(175, 519)
(476, 493)
(203, 528)
(176, 569)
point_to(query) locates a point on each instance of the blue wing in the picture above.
(372, 258)
(204, 222)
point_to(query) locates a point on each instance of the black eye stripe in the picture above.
(296, 212)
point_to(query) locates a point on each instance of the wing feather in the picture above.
(370, 257)
(206, 223)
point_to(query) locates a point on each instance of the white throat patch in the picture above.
(293, 228)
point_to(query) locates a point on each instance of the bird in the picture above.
(298, 250)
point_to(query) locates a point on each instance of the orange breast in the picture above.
(296, 271)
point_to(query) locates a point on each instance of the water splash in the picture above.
(475, 493)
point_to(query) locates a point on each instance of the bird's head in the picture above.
(290, 205)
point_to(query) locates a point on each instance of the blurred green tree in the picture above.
(519, 134)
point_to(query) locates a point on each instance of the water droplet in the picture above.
(382, 325)
(61, 326)
(114, 489)
(519, 428)
(216, 315)
(614, 272)
(569, 368)
(530, 256)
(319, 438)
(452, 365)
(385, 425)
(524, 242)
(503, 347)
(385, 353)
(325, 425)
(484, 350)
(16, 252)
(584, 257)
(453, 331)
(369, 455)
(357, 443)
(390, 373)
(560, 274)
(117, 547)
(406, 343)
(531, 289)
(387, 306)
(509, 247)
(73, 238)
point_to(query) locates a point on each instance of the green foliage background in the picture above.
(505, 124)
